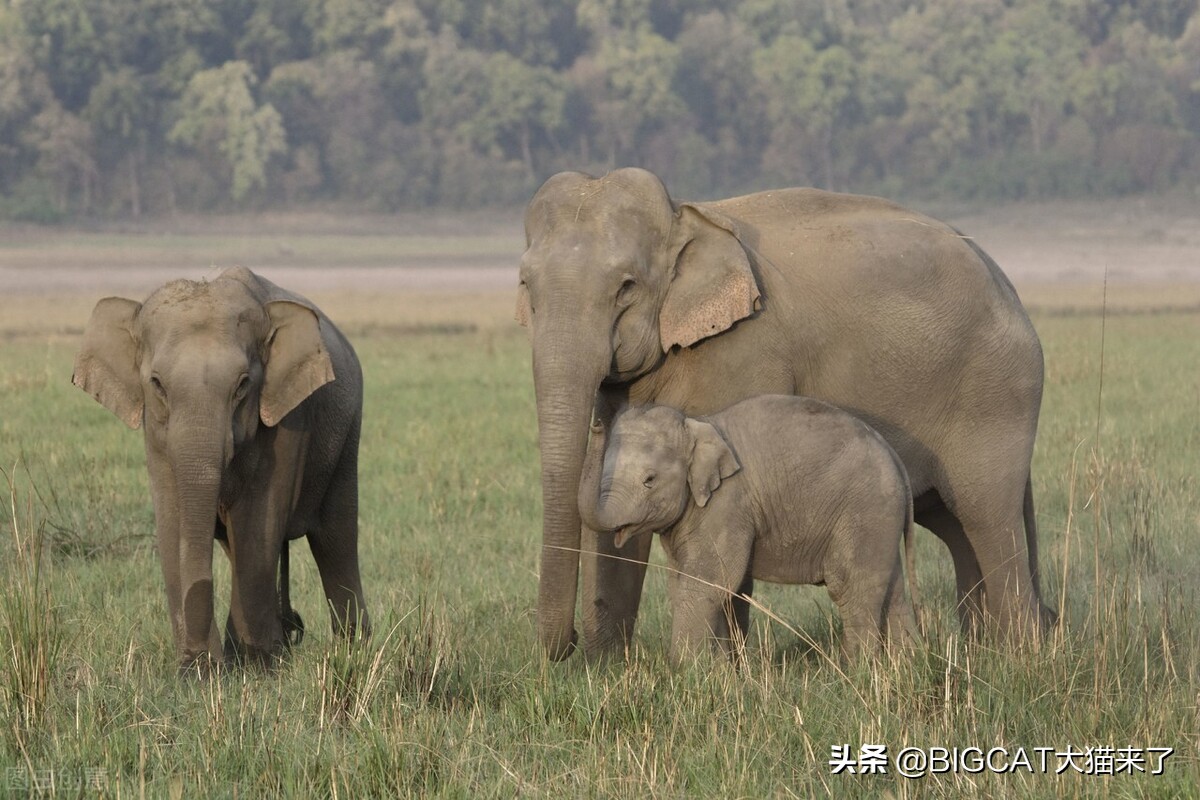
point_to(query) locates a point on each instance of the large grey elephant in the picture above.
(251, 402)
(889, 314)
(779, 488)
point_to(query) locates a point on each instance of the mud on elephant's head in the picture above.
(202, 351)
(656, 462)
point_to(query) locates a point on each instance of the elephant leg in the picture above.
(255, 526)
(699, 618)
(900, 622)
(334, 546)
(167, 541)
(167, 537)
(233, 649)
(860, 590)
(967, 576)
(253, 632)
(989, 504)
(862, 632)
(612, 590)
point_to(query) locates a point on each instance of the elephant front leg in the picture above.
(700, 618)
(189, 601)
(612, 590)
(254, 530)
(334, 546)
(254, 632)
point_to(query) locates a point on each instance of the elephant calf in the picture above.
(777, 488)
(251, 402)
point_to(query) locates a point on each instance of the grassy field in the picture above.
(452, 696)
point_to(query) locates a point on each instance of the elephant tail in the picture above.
(1048, 614)
(910, 567)
(1031, 537)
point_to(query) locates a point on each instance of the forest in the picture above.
(128, 108)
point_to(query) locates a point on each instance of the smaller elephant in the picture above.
(777, 488)
(251, 405)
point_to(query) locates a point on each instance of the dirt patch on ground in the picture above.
(1148, 240)
(1058, 254)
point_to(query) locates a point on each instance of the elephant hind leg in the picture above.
(900, 623)
(989, 505)
(861, 596)
(334, 545)
(968, 577)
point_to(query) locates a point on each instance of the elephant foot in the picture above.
(607, 643)
(265, 656)
(1048, 618)
(559, 650)
(1022, 623)
(293, 627)
(200, 667)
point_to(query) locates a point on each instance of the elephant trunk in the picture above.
(566, 381)
(610, 514)
(614, 511)
(200, 457)
(592, 480)
(598, 504)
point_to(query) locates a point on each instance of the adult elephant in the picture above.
(251, 401)
(896, 317)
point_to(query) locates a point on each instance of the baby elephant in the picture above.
(251, 404)
(779, 488)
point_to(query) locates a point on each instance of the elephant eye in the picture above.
(648, 481)
(156, 384)
(625, 293)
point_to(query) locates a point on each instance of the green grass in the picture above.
(452, 696)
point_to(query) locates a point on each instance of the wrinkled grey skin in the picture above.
(251, 402)
(776, 488)
(893, 316)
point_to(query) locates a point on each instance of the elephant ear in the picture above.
(106, 365)
(711, 460)
(713, 285)
(524, 307)
(297, 362)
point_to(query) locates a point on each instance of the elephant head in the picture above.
(202, 367)
(613, 276)
(656, 461)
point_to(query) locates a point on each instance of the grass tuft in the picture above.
(32, 638)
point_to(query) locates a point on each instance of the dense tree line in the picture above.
(116, 107)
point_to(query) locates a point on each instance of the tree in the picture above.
(628, 86)
(808, 93)
(1030, 64)
(220, 121)
(64, 143)
(122, 115)
(716, 81)
(521, 102)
